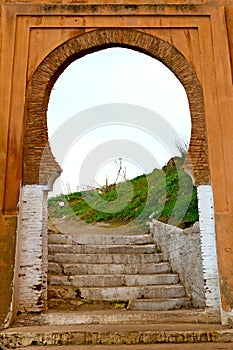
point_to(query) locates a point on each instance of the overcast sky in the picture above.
(93, 88)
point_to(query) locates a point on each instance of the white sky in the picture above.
(94, 87)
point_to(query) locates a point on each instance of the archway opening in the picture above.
(105, 92)
(116, 117)
(40, 168)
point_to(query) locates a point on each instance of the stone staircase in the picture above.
(105, 270)
(103, 291)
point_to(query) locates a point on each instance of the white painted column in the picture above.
(32, 250)
(208, 248)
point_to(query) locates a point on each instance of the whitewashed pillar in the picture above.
(32, 250)
(208, 248)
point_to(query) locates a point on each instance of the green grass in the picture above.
(169, 194)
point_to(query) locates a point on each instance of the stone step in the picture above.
(113, 281)
(116, 269)
(76, 304)
(134, 292)
(156, 346)
(117, 293)
(116, 335)
(64, 248)
(100, 239)
(123, 316)
(74, 258)
(159, 304)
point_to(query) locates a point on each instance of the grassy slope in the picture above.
(167, 193)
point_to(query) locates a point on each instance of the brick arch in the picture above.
(40, 170)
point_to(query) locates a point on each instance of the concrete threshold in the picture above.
(172, 346)
(120, 316)
(116, 334)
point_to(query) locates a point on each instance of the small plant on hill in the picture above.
(165, 193)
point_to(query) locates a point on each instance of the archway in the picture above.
(122, 81)
(40, 172)
(55, 63)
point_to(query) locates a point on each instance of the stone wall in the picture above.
(183, 249)
(192, 253)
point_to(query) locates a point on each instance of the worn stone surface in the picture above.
(135, 292)
(121, 257)
(123, 316)
(160, 304)
(107, 239)
(116, 334)
(172, 346)
(64, 250)
(110, 280)
(54, 268)
(116, 269)
(118, 280)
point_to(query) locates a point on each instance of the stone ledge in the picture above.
(116, 334)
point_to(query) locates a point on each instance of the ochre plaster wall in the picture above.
(201, 30)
